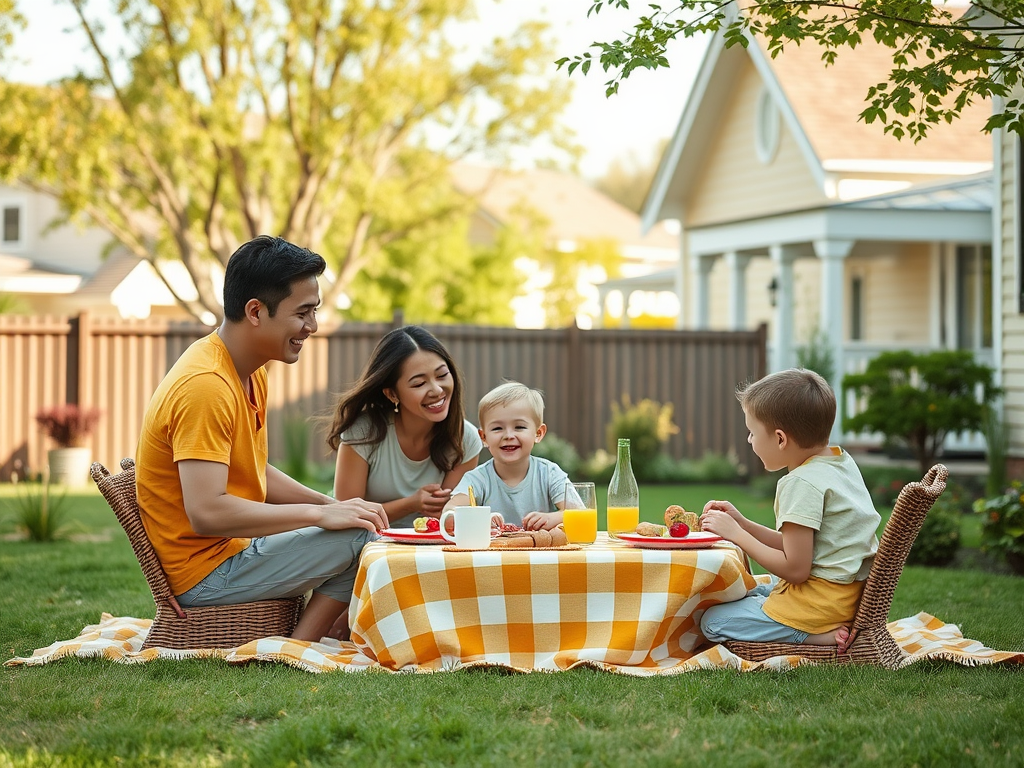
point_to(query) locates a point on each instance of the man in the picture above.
(204, 484)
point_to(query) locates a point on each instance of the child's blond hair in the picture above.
(797, 401)
(509, 393)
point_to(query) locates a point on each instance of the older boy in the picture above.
(525, 489)
(203, 480)
(824, 542)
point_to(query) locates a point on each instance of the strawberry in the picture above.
(679, 530)
(433, 524)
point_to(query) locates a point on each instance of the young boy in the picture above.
(525, 489)
(824, 542)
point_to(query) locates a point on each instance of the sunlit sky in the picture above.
(628, 124)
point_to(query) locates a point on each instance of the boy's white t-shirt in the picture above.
(827, 493)
(540, 491)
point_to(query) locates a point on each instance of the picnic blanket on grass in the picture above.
(120, 639)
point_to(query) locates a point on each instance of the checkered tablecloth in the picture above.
(606, 604)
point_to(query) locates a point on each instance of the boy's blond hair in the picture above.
(512, 392)
(797, 401)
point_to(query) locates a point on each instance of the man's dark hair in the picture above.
(265, 268)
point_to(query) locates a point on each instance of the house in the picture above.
(1008, 270)
(794, 213)
(574, 213)
(64, 268)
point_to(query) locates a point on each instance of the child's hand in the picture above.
(723, 506)
(541, 521)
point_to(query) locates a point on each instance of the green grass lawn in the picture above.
(167, 713)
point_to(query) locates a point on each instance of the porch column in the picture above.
(831, 253)
(624, 317)
(701, 265)
(737, 290)
(782, 325)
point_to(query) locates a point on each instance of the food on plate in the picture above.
(426, 524)
(679, 530)
(510, 528)
(528, 539)
(651, 529)
(676, 514)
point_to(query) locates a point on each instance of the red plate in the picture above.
(696, 540)
(412, 536)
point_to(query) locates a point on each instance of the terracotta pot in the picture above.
(70, 466)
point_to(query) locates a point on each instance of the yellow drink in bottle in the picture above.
(580, 525)
(623, 519)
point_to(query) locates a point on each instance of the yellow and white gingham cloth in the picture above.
(610, 607)
(608, 604)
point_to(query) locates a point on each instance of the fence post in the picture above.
(398, 319)
(77, 364)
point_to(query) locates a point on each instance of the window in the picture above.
(857, 309)
(974, 296)
(12, 225)
(766, 127)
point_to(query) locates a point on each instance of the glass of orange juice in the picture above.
(579, 514)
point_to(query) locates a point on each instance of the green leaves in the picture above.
(918, 398)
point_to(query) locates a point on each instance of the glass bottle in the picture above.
(623, 494)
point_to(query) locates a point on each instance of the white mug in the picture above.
(472, 526)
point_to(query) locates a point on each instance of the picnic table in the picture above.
(434, 608)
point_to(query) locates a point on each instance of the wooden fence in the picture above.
(116, 365)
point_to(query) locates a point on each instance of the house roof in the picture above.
(576, 211)
(974, 193)
(820, 105)
(828, 100)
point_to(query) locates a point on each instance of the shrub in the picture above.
(885, 483)
(816, 355)
(1002, 529)
(598, 467)
(68, 425)
(997, 441)
(917, 399)
(647, 425)
(939, 539)
(37, 512)
(559, 450)
(297, 432)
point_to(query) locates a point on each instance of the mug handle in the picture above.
(444, 533)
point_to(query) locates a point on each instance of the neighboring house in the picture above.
(62, 270)
(796, 214)
(575, 213)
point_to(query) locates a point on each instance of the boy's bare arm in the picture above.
(767, 536)
(792, 561)
(283, 489)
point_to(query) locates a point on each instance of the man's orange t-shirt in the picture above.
(199, 411)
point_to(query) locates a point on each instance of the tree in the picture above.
(329, 124)
(629, 178)
(919, 398)
(942, 59)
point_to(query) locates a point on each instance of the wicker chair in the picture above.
(870, 641)
(222, 626)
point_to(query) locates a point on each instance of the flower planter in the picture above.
(70, 466)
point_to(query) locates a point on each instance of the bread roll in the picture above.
(541, 538)
(558, 537)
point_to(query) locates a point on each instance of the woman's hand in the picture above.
(430, 499)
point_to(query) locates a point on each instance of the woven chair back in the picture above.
(119, 491)
(900, 531)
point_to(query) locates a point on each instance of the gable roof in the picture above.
(575, 210)
(820, 107)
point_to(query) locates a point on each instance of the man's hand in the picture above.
(353, 513)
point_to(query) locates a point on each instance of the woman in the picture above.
(400, 432)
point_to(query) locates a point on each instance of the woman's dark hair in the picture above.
(265, 268)
(381, 372)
